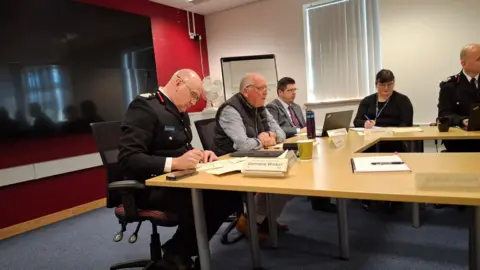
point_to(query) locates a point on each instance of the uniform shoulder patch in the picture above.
(148, 95)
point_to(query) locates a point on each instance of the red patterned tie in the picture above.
(293, 116)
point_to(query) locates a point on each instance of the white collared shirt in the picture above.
(470, 78)
(285, 105)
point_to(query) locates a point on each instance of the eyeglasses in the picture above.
(385, 85)
(259, 89)
(194, 96)
(291, 90)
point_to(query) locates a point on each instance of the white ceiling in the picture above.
(204, 7)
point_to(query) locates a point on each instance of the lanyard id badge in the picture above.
(377, 112)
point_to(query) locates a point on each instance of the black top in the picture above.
(152, 130)
(254, 120)
(397, 112)
(456, 97)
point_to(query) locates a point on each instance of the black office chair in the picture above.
(121, 196)
(206, 132)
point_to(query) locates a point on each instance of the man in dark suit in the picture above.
(288, 114)
(458, 93)
(289, 117)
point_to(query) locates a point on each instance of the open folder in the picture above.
(391, 163)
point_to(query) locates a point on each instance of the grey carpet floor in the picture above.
(377, 241)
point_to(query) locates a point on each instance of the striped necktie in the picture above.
(294, 117)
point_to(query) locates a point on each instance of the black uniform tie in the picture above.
(473, 82)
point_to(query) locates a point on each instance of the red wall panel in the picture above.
(33, 199)
(25, 201)
(173, 47)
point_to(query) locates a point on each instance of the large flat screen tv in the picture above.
(65, 64)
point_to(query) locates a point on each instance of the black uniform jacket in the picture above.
(153, 129)
(455, 99)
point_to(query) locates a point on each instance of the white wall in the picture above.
(421, 40)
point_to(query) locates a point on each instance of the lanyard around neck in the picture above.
(377, 112)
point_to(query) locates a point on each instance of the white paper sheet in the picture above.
(364, 164)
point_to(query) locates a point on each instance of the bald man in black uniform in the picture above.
(457, 94)
(156, 140)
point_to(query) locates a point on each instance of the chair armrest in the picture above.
(125, 185)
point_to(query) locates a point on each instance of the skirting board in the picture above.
(52, 218)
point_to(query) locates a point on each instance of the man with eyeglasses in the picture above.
(156, 139)
(285, 111)
(243, 123)
(290, 117)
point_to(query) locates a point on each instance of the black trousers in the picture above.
(462, 146)
(218, 206)
(387, 147)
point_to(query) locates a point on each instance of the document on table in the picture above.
(222, 166)
(379, 164)
(406, 129)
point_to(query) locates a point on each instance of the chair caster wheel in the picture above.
(118, 237)
(132, 239)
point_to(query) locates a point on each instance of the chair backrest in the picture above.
(206, 132)
(107, 138)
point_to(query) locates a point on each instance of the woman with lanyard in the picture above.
(386, 108)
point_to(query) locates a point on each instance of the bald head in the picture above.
(184, 89)
(254, 89)
(467, 50)
(470, 59)
(250, 79)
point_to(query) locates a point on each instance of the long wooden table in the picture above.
(329, 174)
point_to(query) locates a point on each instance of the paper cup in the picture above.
(305, 149)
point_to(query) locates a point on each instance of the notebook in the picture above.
(391, 163)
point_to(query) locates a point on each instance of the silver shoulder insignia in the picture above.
(146, 95)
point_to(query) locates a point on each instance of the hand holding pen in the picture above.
(369, 123)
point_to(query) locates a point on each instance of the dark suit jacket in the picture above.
(283, 119)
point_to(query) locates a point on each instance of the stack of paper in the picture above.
(379, 164)
(406, 129)
(222, 166)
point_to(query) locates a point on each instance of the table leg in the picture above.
(474, 240)
(252, 226)
(272, 223)
(343, 228)
(201, 229)
(416, 215)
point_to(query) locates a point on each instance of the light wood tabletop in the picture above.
(329, 173)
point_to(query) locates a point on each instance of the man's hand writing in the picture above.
(189, 160)
(209, 156)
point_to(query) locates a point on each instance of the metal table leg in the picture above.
(474, 240)
(416, 215)
(252, 226)
(343, 229)
(272, 223)
(201, 229)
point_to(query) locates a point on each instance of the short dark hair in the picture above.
(282, 84)
(384, 76)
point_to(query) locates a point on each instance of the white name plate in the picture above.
(337, 132)
(266, 164)
(467, 182)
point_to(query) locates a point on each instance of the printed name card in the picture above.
(337, 132)
(337, 136)
(267, 164)
(467, 182)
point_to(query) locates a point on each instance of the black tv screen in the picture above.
(65, 64)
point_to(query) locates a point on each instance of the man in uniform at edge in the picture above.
(243, 123)
(457, 94)
(156, 140)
